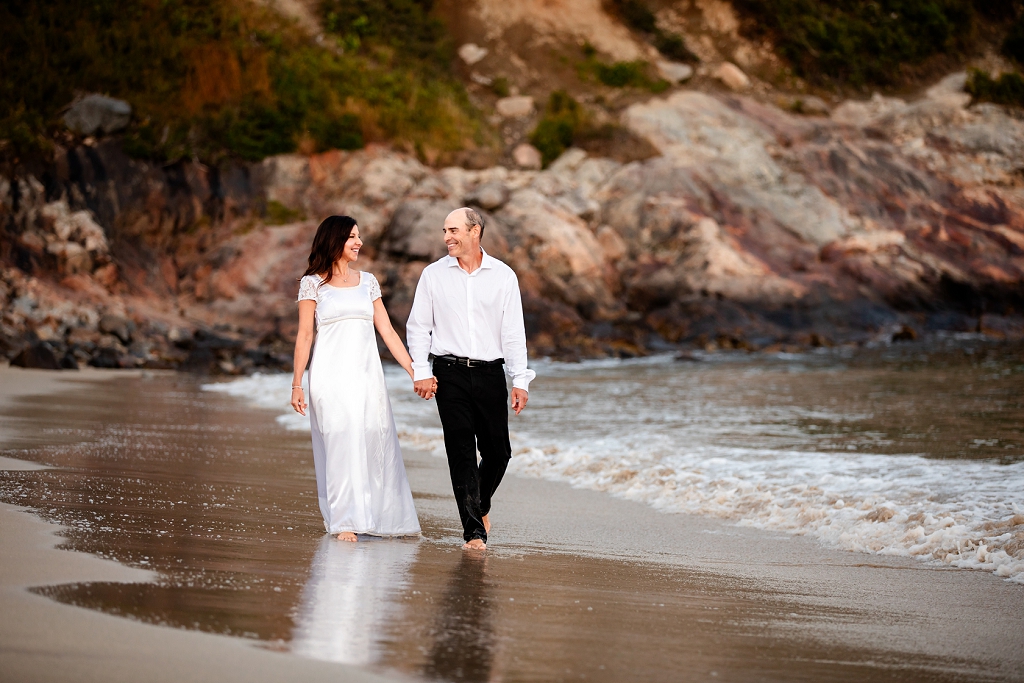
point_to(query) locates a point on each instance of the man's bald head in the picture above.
(470, 217)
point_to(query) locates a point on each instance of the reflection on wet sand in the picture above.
(349, 598)
(464, 640)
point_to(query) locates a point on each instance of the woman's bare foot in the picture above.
(347, 536)
(475, 544)
(487, 523)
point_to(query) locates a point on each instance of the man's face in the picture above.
(461, 241)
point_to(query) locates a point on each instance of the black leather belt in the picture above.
(468, 362)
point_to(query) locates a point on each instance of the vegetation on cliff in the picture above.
(221, 78)
(638, 16)
(851, 42)
(1007, 89)
(233, 78)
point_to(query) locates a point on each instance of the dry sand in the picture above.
(677, 597)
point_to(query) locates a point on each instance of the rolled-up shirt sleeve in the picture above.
(419, 328)
(513, 337)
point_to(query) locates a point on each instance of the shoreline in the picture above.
(882, 613)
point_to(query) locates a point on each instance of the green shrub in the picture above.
(673, 47)
(404, 25)
(343, 132)
(279, 214)
(637, 15)
(857, 42)
(499, 86)
(1007, 89)
(563, 119)
(621, 74)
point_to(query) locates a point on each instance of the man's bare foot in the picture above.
(487, 523)
(347, 536)
(475, 544)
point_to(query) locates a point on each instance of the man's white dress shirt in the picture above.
(476, 315)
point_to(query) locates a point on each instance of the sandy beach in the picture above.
(577, 585)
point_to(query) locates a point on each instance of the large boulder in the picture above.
(118, 326)
(39, 355)
(489, 196)
(94, 114)
(728, 151)
(415, 229)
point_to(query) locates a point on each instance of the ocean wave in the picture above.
(962, 513)
(958, 513)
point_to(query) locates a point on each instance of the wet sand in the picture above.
(43, 640)
(217, 500)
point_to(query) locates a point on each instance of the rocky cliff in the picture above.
(754, 228)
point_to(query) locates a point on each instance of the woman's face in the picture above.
(352, 246)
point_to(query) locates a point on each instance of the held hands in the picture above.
(519, 399)
(298, 400)
(425, 388)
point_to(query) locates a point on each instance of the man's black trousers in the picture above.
(473, 405)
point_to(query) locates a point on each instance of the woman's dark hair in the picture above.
(329, 244)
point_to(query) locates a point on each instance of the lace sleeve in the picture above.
(307, 288)
(374, 287)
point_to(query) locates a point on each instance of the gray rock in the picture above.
(514, 107)
(675, 72)
(95, 114)
(471, 53)
(106, 358)
(527, 156)
(732, 76)
(415, 229)
(812, 106)
(39, 355)
(489, 196)
(121, 328)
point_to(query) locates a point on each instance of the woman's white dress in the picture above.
(360, 476)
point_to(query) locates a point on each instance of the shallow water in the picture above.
(912, 450)
(218, 498)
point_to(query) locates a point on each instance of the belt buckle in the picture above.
(470, 363)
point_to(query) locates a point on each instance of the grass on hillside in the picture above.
(619, 74)
(840, 42)
(230, 78)
(1007, 89)
(563, 119)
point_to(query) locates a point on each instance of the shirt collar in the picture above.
(487, 262)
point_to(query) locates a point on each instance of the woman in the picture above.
(360, 477)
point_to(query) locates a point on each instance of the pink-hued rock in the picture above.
(527, 156)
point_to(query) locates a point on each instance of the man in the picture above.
(467, 317)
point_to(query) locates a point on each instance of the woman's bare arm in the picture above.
(303, 343)
(382, 321)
